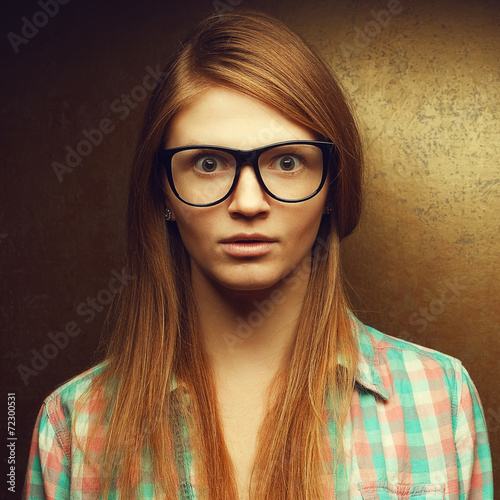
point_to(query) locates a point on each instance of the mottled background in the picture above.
(424, 262)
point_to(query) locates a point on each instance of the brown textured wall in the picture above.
(424, 262)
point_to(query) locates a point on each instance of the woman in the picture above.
(235, 369)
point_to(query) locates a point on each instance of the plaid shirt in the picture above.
(416, 430)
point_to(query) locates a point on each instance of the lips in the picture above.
(248, 238)
(248, 245)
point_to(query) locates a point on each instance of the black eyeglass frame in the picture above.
(328, 149)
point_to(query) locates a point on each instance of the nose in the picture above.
(248, 198)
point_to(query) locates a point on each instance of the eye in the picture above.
(287, 163)
(209, 164)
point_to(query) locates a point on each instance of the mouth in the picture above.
(248, 239)
(248, 245)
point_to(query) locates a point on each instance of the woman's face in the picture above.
(250, 240)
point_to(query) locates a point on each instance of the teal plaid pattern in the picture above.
(415, 430)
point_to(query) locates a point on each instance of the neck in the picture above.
(248, 335)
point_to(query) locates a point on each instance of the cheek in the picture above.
(184, 216)
(303, 226)
(187, 223)
(195, 227)
(307, 219)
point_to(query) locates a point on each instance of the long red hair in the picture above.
(153, 325)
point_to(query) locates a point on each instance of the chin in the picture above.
(249, 285)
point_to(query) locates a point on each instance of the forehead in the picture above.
(224, 117)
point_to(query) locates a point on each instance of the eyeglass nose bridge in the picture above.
(243, 157)
(252, 158)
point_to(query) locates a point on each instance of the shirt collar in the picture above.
(371, 362)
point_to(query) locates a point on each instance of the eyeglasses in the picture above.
(293, 171)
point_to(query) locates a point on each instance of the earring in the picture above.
(168, 214)
(328, 210)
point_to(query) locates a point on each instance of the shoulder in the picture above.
(402, 348)
(59, 406)
(388, 364)
(70, 404)
(76, 386)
